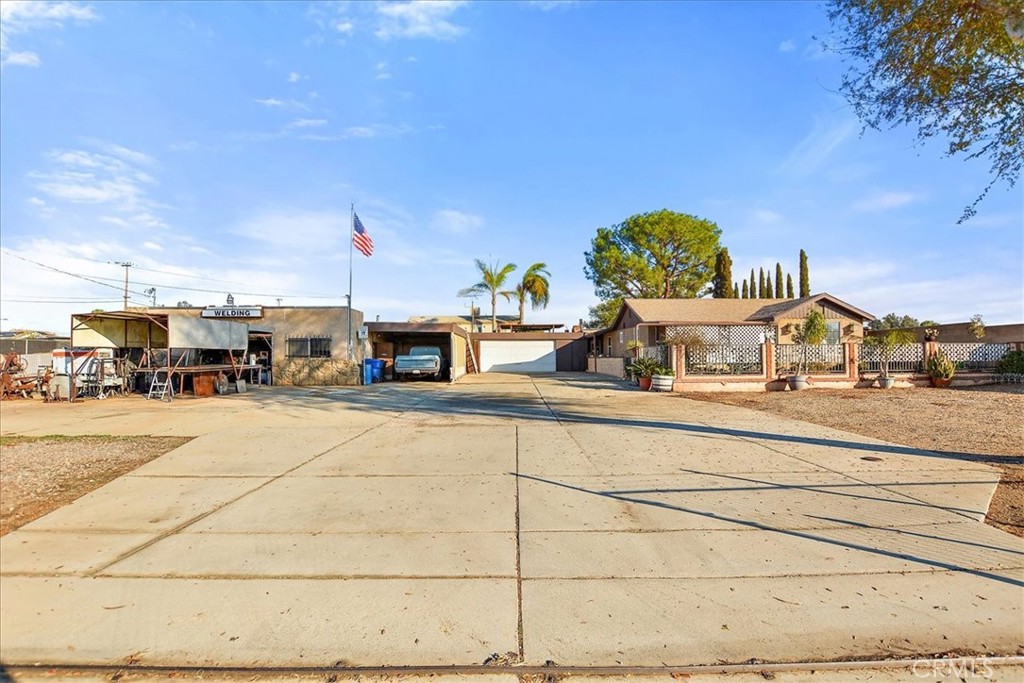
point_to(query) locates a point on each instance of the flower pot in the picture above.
(797, 382)
(662, 382)
(886, 382)
(941, 382)
(645, 383)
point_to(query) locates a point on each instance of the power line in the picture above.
(64, 272)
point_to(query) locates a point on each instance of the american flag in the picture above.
(361, 238)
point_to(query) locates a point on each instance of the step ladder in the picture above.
(471, 366)
(162, 391)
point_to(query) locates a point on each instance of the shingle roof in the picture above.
(726, 310)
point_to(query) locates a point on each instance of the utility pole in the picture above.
(126, 265)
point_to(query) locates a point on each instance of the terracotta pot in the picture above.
(645, 383)
(941, 382)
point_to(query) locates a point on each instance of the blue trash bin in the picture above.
(368, 371)
(378, 369)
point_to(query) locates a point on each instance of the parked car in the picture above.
(421, 361)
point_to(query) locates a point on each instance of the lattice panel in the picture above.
(822, 359)
(723, 360)
(905, 358)
(719, 335)
(974, 355)
(658, 353)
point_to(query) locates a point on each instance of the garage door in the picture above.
(517, 356)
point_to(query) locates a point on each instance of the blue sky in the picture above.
(218, 146)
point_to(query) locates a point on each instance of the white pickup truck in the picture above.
(421, 361)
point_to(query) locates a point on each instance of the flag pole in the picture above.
(351, 240)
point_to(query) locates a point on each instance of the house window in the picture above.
(833, 332)
(309, 347)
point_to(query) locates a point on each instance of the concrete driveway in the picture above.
(556, 518)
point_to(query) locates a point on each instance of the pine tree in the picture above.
(753, 285)
(735, 290)
(769, 290)
(789, 286)
(746, 291)
(778, 281)
(762, 293)
(805, 277)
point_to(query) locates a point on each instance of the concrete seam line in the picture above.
(848, 665)
(170, 532)
(850, 476)
(519, 563)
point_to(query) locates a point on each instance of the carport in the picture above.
(395, 339)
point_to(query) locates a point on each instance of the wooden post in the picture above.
(767, 361)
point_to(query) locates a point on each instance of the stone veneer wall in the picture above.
(315, 372)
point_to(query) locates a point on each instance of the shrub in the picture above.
(664, 371)
(1011, 364)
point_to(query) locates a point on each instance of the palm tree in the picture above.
(492, 279)
(534, 286)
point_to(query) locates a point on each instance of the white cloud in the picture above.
(382, 71)
(548, 5)
(36, 201)
(275, 103)
(456, 222)
(375, 130)
(884, 201)
(307, 123)
(295, 77)
(767, 216)
(152, 246)
(816, 147)
(787, 46)
(20, 59)
(344, 26)
(296, 229)
(419, 20)
(116, 183)
(24, 16)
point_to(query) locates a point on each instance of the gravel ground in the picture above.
(985, 424)
(39, 475)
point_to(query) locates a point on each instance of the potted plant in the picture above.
(813, 330)
(644, 369)
(635, 346)
(886, 345)
(941, 369)
(663, 378)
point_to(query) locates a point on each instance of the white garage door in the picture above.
(517, 356)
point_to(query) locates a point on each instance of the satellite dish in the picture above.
(1015, 26)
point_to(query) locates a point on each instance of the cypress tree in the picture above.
(805, 277)
(723, 275)
(746, 291)
(789, 286)
(753, 285)
(735, 290)
(769, 290)
(762, 293)
(778, 280)
(718, 284)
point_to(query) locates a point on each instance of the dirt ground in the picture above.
(39, 475)
(985, 424)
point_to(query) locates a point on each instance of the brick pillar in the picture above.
(768, 360)
(852, 360)
(680, 358)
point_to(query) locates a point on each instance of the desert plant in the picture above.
(1011, 364)
(812, 331)
(941, 366)
(664, 371)
(644, 367)
(886, 345)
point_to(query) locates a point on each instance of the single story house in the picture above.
(723, 321)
